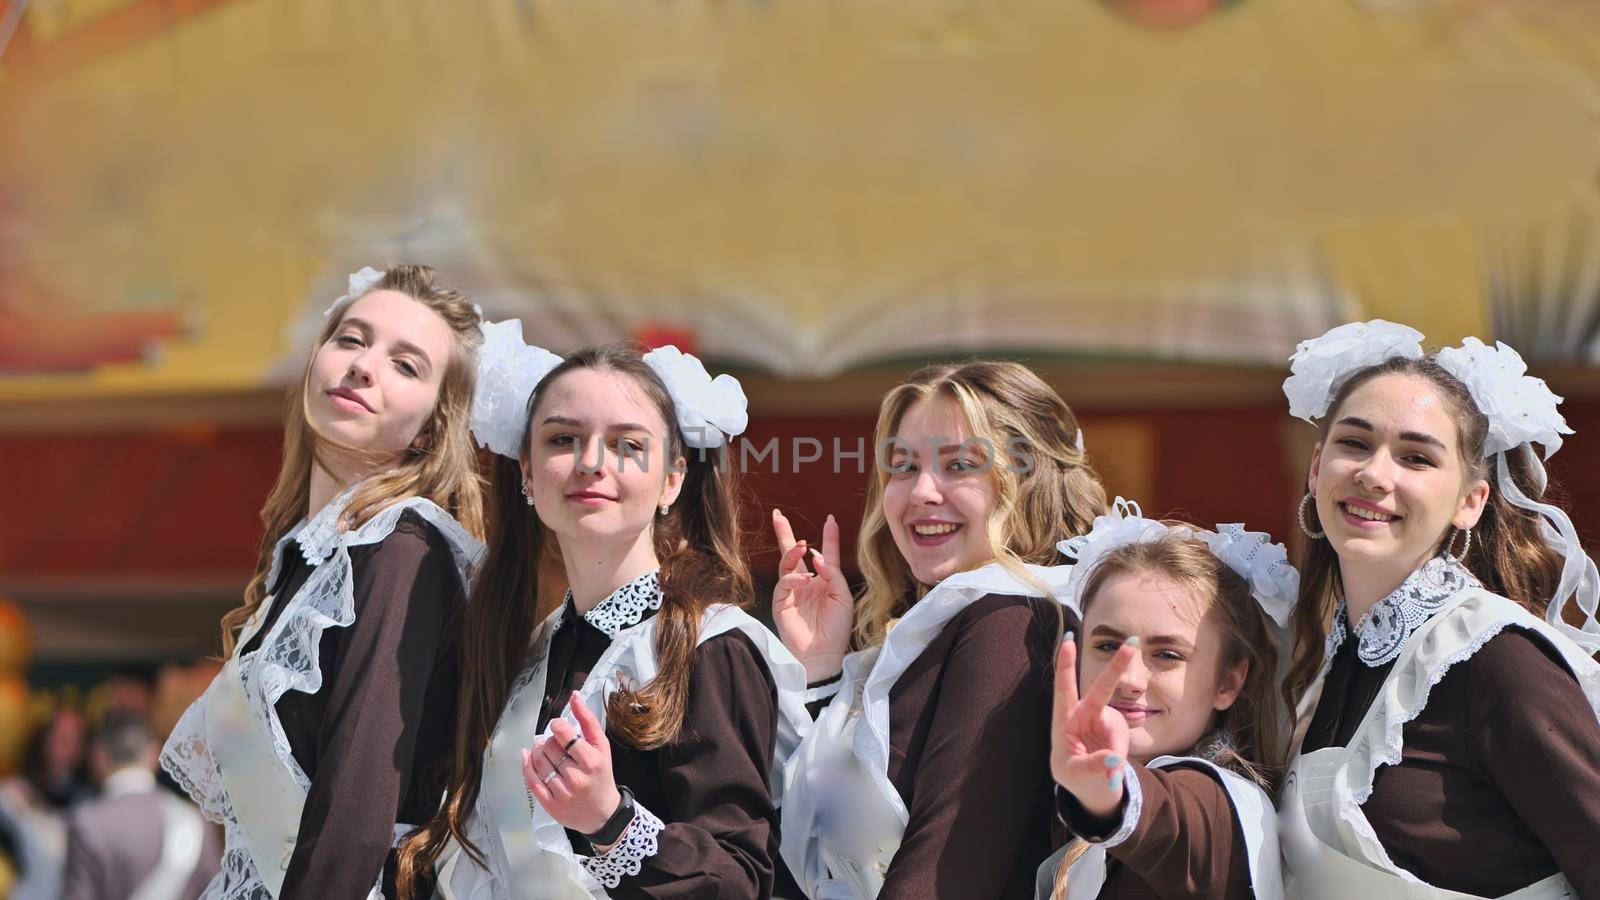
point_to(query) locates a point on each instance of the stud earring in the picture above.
(665, 507)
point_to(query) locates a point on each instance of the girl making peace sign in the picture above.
(1161, 764)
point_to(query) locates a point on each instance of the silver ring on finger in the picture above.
(554, 773)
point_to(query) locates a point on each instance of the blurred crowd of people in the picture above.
(88, 814)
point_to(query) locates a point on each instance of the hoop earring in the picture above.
(1465, 545)
(525, 495)
(1300, 515)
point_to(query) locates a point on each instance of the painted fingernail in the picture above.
(1115, 782)
(1068, 638)
(1113, 761)
(1131, 642)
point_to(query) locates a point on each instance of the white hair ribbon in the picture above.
(359, 283)
(709, 410)
(1523, 411)
(1320, 365)
(1264, 565)
(509, 369)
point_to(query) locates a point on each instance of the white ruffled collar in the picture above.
(625, 607)
(318, 536)
(1383, 631)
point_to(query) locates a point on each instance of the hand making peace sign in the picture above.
(1088, 739)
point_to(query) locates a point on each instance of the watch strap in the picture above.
(612, 830)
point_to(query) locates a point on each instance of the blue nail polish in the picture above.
(1068, 637)
(1113, 761)
(1115, 782)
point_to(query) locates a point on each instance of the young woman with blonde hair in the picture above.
(1447, 712)
(625, 745)
(315, 744)
(927, 776)
(1165, 764)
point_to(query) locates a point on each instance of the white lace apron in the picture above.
(229, 750)
(529, 855)
(1252, 809)
(842, 817)
(1330, 849)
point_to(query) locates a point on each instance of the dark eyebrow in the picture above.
(1354, 422)
(574, 423)
(1416, 437)
(1421, 438)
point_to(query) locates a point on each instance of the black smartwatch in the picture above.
(612, 830)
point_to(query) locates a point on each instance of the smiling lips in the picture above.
(933, 532)
(1362, 514)
(348, 400)
(1135, 713)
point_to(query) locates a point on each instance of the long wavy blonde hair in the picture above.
(441, 465)
(1055, 495)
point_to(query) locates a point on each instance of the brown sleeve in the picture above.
(1187, 842)
(719, 838)
(405, 591)
(1532, 733)
(986, 763)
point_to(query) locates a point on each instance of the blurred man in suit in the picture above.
(137, 841)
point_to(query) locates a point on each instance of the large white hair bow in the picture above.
(1519, 407)
(359, 283)
(1522, 411)
(1263, 565)
(508, 371)
(709, 410)
(1320, 365)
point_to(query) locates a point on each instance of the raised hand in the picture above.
(814, 612)
(569, 772)
(1088, 739)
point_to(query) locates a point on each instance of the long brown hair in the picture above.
(698, 544)
(1509, 553)
(440, 465)
(1244, 738)
(1045, 493)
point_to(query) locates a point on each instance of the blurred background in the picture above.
(1149, 201)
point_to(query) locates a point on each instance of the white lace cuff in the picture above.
(1131, 809)
(824, 690)
(627, 855)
